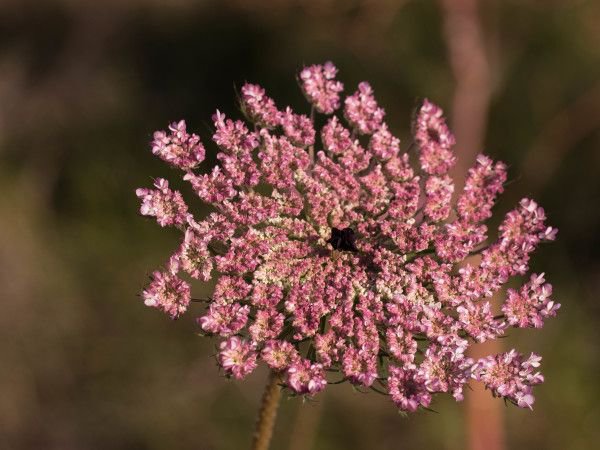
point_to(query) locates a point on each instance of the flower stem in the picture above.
(267, 414)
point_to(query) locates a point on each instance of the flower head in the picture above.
(237, 357)
(407, 389)
(258, 106)
(166, 205)
(303, 377)
(168, 293)
(511, 376)
(529, 306)
(177, 147)
(362, 111)
(344, 257)
(321, 88)
(435, 140)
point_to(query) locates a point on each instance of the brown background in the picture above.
(83, 365)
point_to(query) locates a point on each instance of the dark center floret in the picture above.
(410, 388)
(343, 239)
(434, 135)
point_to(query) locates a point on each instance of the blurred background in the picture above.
(84, 365)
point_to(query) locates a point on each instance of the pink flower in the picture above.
(168, 293)
(360, 366)
(508, 375)
(306, 378)
(383, 144)
(194, 256)
(279, 355)
(408, 392)
(531, 304)
(236, 144)
(233, 137)
(267, 325)
(329, 346)
(321, 88)
(335, 255)
(456, 240)
(297, 128)
(224, 319)
(214, 188)
(478, 321)
(527, 224)
(445, 369)
(231, 289)
(361, 110)
(177, 147)
(237, 357)
(439, 194)
(258, 106)
(166, 205)
(336, 138)
(435, 140)
(484, 182)
(401, 344)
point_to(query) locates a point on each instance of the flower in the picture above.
(297, 128)
(531, 304)
(508, 375)
(237, 357)
(407, 390)
(258, 106)
(166, 205)
(321, 88)
(435, 140)
(361, 110)
(168, 293)
(343, 257)
(279, 355)
(303, 377)
(177, 147)
(224, 319)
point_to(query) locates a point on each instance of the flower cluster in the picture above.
(508, 376)
(177, 147)
(331, 254)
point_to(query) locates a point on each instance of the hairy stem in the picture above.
(267, 414)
